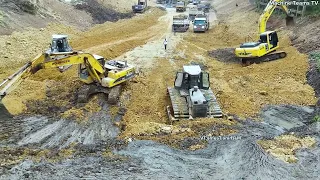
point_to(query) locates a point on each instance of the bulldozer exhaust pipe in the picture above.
(290, 21)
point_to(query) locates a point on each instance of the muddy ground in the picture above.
(236, 157)
(134, 140)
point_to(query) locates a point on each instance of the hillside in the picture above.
(20, 14)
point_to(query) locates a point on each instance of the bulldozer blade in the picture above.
(4, 113)
(289, 21)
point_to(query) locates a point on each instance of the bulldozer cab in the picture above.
(60, 44)
(190, 77)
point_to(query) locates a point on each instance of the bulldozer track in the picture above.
(214, 107)
(180, 104)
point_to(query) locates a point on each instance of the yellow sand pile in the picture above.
(146, 116)
(244, 90)
(97, 40)
(284, 147)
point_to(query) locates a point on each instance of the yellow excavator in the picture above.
(265, 49)
(99, 75)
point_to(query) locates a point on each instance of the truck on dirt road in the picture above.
(195, 2)
(204, 6)
(201, 23)
(140, 7)
(180, 23)
(181, 6)
(193, 12)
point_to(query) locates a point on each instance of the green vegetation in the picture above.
(316, 119)
(316, 57)
(27, 6)
(313, 9)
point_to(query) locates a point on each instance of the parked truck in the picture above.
(204, 6)
(180, 23)
(195, 2)
(201, 23)
(193, 12)
(140, 7)
(181, 6)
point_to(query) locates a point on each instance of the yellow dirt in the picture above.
(284, 147)
(241, 89)
(109, 40)
(146, 113)
(81, 114)
(27, 90)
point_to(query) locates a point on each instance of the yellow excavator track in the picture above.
(275, 55)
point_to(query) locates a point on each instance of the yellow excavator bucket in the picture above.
(289, 21)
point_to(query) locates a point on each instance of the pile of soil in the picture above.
(224, 55)
(101, 14)
(20, 6)
(305, 36)
(268, 83)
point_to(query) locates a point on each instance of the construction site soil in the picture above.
(101, 14)
(272, 129)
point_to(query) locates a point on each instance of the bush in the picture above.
(27, 6)
(316, 119)
(316, 58)
(313, 9)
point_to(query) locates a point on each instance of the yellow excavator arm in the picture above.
(267, 12)
(92, 65)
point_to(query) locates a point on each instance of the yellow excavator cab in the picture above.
(265, 49)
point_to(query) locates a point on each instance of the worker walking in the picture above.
(165, 42)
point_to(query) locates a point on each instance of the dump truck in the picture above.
(181, 6)
(140, 7)
(193, 12)
(195, 2)
(201, 23)
(191, 97)
(180, 23)
(204, 6)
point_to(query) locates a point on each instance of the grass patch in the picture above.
(316, 58)
(27, 6)
(316, 119)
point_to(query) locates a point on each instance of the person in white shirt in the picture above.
(165, 42)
